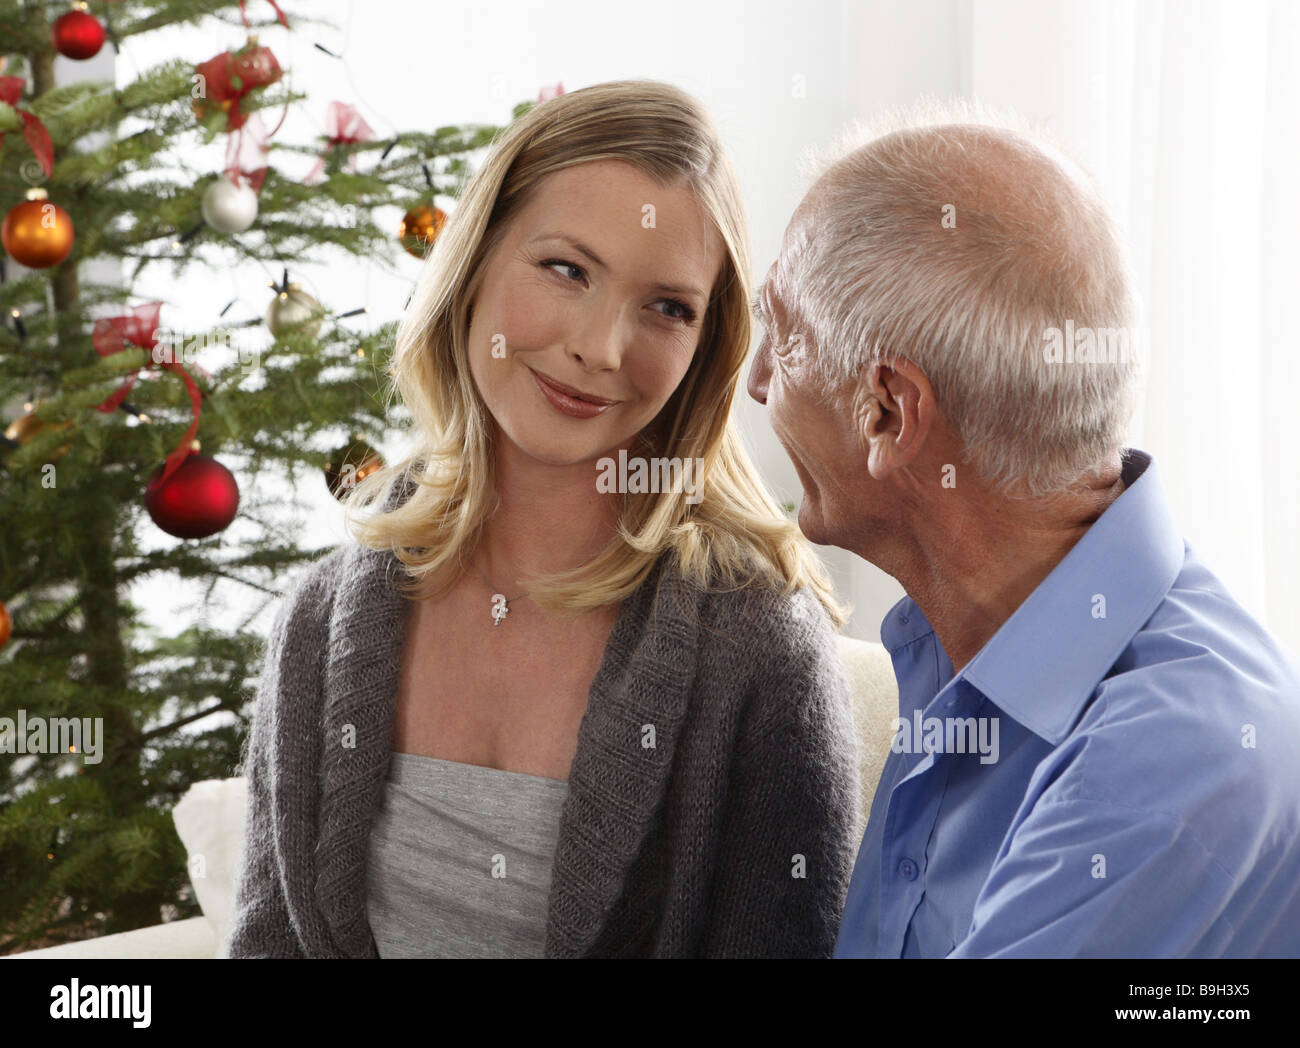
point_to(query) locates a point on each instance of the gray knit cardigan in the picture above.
(725, 832)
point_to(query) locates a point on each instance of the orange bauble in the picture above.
(420, 228)
(38, 233)
(6, 624)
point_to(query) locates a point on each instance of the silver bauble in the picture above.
(229, 207)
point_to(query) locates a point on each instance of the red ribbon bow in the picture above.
(11, 92)
(229, 77)
(344, 125)
(112, 335)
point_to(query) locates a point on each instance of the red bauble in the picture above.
(199, 499)
(78, 35)
(6, 624)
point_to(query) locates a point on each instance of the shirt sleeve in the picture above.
(786, 848)
(1087, 878)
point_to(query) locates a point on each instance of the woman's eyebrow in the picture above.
(579, 246)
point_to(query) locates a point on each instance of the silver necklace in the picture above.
(500, 603)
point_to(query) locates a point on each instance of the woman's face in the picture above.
(590, 310)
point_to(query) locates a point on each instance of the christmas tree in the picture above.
(104, 721)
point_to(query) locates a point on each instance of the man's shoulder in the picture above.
(1198, 720)
(1203, 660)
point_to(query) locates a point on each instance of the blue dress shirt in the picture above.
(1116, 773)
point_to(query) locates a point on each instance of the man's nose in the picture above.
(760, 371)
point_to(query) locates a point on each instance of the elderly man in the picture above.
(1097, 747)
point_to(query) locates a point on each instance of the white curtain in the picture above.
(1188, 114)
(1199, 127)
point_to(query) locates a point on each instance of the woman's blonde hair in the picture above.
(735, 533)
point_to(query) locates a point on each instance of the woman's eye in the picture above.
(680, 310)
(684, 312)
(551, 263)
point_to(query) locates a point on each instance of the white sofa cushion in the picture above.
(870, 674)
(210, 823)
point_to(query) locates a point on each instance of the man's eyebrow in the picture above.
(579, 246)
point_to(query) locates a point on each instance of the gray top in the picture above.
(460, 860)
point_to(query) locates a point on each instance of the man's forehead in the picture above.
(799, 233)
(776, 286)
(798, 236)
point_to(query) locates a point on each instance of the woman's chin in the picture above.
(548, 450)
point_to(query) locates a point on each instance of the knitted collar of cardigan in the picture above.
(616, 784)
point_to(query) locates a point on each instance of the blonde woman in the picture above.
(574, 690)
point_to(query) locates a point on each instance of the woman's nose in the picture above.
(600, 345)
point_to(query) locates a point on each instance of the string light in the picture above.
(133, 411)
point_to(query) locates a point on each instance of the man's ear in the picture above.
(895, 415)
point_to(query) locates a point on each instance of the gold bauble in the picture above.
(350, 465)
(292, 308)
(24, 429)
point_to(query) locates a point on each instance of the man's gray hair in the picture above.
(960, 238)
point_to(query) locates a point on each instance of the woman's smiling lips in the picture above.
(569, 401)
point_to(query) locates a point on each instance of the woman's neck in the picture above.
(550, 519)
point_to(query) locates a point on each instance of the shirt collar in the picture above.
(1046, 660)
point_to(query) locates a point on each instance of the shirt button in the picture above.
(903, 619)
(907, 870)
